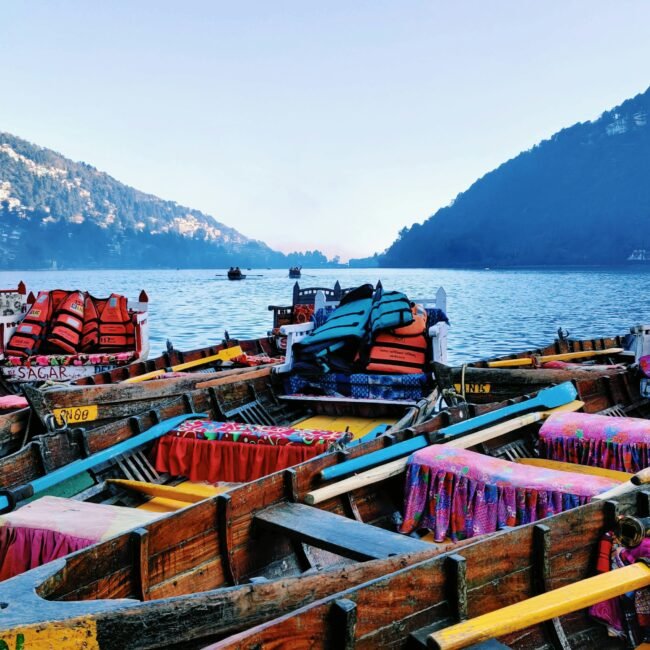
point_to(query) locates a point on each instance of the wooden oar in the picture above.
(548, 398)
(566, 356)
(223, 355)
(242, 374)
(544, 607)
(640, 478)
(396, 467)
(184, 493)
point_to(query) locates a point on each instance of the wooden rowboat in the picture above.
(252, 534)
(98, 399)
(502, 377)
(417, 607)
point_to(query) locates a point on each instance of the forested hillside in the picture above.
(56, 212)
(581, 197)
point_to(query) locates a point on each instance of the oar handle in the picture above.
(642, 477)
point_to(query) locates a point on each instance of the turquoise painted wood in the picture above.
(8, 498)
(546, 398)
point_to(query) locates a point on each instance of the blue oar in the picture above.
(546, 398)
(9, 498)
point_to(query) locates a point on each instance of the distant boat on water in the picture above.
(234, 273)
(294, 271)
(639, 255)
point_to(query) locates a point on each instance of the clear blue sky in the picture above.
(310, 124)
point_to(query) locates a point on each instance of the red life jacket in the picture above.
(90, 332)
(402, 350)
(116, 329)
(30, 333)
(67, 324)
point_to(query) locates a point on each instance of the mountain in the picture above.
(581, 197)
(58, 213)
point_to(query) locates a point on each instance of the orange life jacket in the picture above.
(402, 350)
(30, 333)
(116, 329)
(67, 324)
(90, 332)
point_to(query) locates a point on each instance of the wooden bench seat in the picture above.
(334, 533)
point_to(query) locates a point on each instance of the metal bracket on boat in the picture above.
(52, 426)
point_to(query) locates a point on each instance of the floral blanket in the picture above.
(257, 434)
(81, 359)
(622, 444)
(460, 494)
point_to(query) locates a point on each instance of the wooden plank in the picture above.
(334, 533)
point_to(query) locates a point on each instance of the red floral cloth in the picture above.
(234, 462)
(203, 450)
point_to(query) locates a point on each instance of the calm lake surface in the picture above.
(491, 312)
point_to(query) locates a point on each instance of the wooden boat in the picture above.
(294, 272)
(91, 400)
(502, 377)
(16, 421)
(139, 387)
(254, 533)
(234, 273)
(64, 367)
(543, 567)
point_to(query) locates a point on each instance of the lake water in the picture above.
(491, 312)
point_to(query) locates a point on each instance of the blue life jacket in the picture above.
(334, 345)
(390, 309)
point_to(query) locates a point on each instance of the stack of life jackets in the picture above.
(383, 333)
(73, 321)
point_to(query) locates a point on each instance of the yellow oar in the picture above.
(184, 492)
(542, 608)
(566, 356)
(223, 355)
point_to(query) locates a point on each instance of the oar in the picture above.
(548, 398)
(9, 497)
(565, 356)
(186, 495)
(223, 355)
(544, 607)
(640, 478)
(396, 467)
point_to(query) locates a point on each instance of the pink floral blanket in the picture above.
(460, 494)
(616, 443)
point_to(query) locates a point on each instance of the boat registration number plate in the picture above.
(75, 414)
(473, 388)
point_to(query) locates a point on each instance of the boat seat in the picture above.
(460, 494)
(618, 443)
(326, 530)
